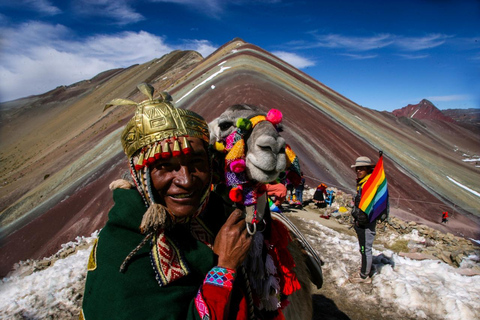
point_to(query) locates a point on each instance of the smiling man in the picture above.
(168, 250)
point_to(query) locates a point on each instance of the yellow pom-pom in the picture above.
(219, 146)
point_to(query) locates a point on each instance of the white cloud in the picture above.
(379, 41)
(294, 59)
(453, 97)
(413, 56)
(209, 7)
(421, 43)
(117, 10)
(215, 8)
(41, 6)
(204, 47)
(37, 57)
(360, 56)
(354, 43)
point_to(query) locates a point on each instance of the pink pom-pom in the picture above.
(274, 116)
(237, 165)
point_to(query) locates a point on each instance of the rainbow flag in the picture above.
(374, 199)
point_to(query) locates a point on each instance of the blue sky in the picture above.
(381, 54)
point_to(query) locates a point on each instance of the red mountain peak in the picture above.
(424, 110)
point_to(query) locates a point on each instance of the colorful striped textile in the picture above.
(374, 199)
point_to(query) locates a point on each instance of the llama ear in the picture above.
(212, 126)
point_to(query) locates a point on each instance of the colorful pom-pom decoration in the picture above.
(244, 124)
(237, 165)
(219, 146)
(274, 116)
(235, 194)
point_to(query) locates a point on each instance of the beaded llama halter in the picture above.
(242, 190)
(146, 138)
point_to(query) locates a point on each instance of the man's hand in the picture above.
(232, 242)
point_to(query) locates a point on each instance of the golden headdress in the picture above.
(146, 137)
(156, 120)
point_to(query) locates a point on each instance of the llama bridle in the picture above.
(243, 191)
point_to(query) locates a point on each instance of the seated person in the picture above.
(319, 196)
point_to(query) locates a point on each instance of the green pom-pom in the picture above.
(244, 124)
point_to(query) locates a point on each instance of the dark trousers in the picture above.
(366, 235)
(299, 195)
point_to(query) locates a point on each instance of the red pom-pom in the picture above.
(235, 195)
(237, 165)
(138, 167)
(176, 153)
(187, 150)
(274, 116)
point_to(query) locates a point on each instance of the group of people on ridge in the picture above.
(172, 248)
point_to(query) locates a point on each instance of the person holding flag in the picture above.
(371, 204)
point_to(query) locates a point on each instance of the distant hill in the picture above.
(424, 110)
(470, 116)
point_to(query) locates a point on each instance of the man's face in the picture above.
(361, 172)
(181, 181)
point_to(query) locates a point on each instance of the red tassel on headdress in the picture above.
(176, 148)
(186, 147)
(157, 154)
(151, 155)
(141, 157)
(166, 150)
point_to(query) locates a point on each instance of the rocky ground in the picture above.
(336, 302)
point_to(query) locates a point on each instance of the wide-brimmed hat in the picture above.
(363, 162)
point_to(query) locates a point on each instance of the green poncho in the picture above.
(136, 294)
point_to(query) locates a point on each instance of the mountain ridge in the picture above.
(69, 152)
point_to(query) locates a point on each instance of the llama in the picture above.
(254, 153)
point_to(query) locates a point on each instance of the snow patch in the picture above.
(464, 187)
(414, 113)
(204, 81)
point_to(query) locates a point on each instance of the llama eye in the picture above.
(282, 150)
(225, 125)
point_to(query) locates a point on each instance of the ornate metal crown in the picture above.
(156, 120)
